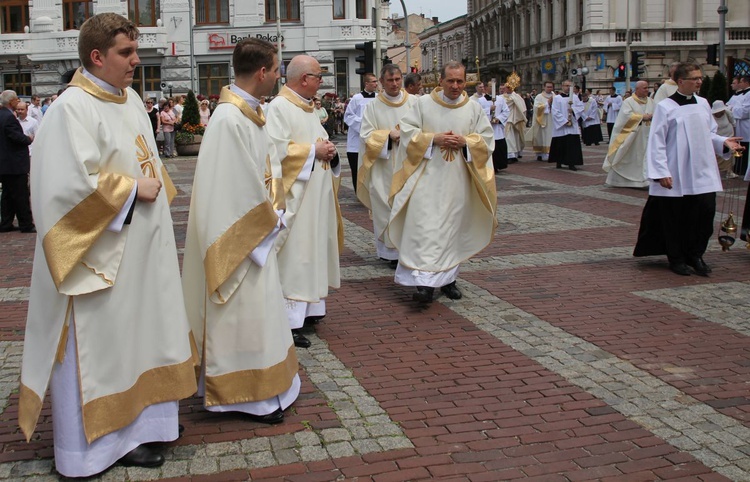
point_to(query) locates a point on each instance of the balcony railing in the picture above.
(621, 36)
(684, 35)
(739, 34)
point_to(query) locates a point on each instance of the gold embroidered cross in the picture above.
(448, 153)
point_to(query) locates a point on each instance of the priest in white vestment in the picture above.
(541, 125)
(106, 327)
(678, 217)
(516, 125)
(625, 163)
(380, 133)
(444, 197)
(308, 250)
(668, 87)
(230, 272)
(612, 105)
(565, 148)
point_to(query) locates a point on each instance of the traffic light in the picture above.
(620, 73)
(637, 65)
(413, 70)
(712, 54)
(366, 59)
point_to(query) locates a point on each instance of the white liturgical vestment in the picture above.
(626, 158)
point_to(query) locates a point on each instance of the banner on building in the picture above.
(548, 66)
(601, 62)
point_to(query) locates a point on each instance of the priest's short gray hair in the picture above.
(6, 96)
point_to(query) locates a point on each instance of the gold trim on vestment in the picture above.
(29, 408)
(627, 129)
(276, 191)
(292, 164)
(638, 99)
(110, 413)
(225, 254)
(382, 98)
(79, 80)
(169, 188)
(252, 385)
(339, 218)
(482, 178)
(228, 97)
(373, 147)
(294, 98)
(442, 103)
(540, 115)
(415, 152)
(74, 234)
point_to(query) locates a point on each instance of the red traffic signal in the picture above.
(621, 70)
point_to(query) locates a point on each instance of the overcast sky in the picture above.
(444, 9)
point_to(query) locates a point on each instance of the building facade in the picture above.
(543, 39)
(397, 40)
(184, 44)
(443, 43)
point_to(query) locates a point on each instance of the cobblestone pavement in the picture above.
(566, 360)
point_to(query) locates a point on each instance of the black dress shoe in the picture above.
(277, 416)
(393, 264)
(300, 340)
(573, 168)
(451, 291)
(7, 229)
(679, 268)
(180, 429)
(700, 266)
(142, 456)
(313, 320)
(559, 166)
(423, 294)
(29, 230)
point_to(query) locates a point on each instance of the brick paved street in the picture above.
(566, 360)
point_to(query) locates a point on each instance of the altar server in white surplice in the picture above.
(106, 327)
(541, 126)
(612, 105)
(678, 217)
(230, 272)
(498, 119)
(626, 158)
(308, 250)
(444, 196)
(380, 133)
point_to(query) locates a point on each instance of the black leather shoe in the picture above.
(393, 264)
(277, 416)
(313, 320)
(452, 291)
(573, 168)
(700, 266)
(29, 230)
(679, 268)
(180, 429)
(142, 456)
(7, 229)
(300, 340)
(559, 166)
(423, 294)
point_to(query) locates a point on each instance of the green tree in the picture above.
(705, 88)
(190, 114)
(718, 88)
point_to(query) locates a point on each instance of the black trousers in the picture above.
(353, 158)
(679, 227)
(15, 201)
(609, 131)
(500, 155)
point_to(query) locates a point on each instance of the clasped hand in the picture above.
(449, 140)
(325, 150)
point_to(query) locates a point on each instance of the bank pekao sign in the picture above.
(224, 40)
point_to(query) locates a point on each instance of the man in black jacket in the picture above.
(14, 168)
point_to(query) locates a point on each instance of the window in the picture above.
(20, 82)
(14, 15)
(144, 13)
(212, 77)
(211, 11)
(361, 8)
(147, 78)
(289, 10)
(342, 78)
(339, 10)
(75, 12)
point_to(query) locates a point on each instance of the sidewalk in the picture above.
(566, 360)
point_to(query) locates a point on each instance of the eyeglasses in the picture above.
(150, 103)
(318, 75)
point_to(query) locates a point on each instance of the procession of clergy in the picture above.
(113, 330)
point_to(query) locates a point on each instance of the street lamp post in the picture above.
(407, 42)
(723, 10)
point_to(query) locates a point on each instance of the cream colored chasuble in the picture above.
(122, 288)
(443, 207)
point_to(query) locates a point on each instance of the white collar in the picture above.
(249, 98)
(102, 83)
(447, 100)
(396, 99)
